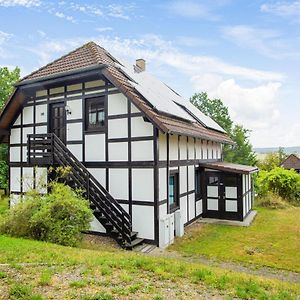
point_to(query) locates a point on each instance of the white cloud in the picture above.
(63, 9)
(41, 33)
(87, 9)
(24, 3)
(267, 42)
(191, 41)
(251, 94)
(255, 107)
(49, 50)
(63, 16)
(192, 9)
(111, 10)
(103, 29)
(282, 8)
(118, 11)
(4, 38)
(155, 49)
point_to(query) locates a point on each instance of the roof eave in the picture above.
(60, 75)
(230, 170)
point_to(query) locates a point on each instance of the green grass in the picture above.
(3, 204)
(71, 272)
(272, 240)
(45, 278)
(23, 292)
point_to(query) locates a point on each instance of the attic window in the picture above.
(94, 114)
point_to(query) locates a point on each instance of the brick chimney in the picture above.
(141, 64)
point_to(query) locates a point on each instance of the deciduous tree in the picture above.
(7, 80)
(242, 151)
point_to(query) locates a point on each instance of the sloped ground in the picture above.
(37, 270)
(100, 270)
(273, 241)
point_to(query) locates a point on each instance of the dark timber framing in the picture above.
(190, 163)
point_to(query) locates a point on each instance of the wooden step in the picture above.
(115, 233)
(101, 219)
(134, 243)
(108, 225)
(133, 235)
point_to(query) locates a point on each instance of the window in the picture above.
(173, 192)
(198, 184)
(213, 180)
(230, 180)
(95, 115)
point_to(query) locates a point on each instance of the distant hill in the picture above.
(288, 150)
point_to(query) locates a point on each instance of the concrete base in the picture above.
(247, 221)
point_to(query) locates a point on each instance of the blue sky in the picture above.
(245, 52)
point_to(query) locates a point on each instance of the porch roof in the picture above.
(230, 167)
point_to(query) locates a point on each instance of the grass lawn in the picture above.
(74, 273)
(3, 204)
(38, 270)
(272, 240)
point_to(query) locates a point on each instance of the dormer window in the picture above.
(95, 114)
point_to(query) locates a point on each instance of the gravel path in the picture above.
(146, 249)
(282, 275)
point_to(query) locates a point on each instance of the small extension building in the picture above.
(291, 162)
(140, 151)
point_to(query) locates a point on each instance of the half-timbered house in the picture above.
(142, 153)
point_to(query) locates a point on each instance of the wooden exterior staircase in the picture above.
(47, 150)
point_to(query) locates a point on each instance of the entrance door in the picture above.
(58, 120)
(222, 196)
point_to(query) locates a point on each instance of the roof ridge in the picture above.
(94, 48)
(86, 45)
(291, 155)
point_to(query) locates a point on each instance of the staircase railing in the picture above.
(48, 149)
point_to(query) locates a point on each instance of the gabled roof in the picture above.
(291, 162)
(162, 106)
(85, 56)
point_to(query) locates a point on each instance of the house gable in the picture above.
(91, 58)
(291, 162)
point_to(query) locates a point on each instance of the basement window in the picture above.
(94, 114)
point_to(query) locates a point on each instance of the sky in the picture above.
(246, 53)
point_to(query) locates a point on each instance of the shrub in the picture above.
(59, 216)
(16, 222)
(285, 183)
(271, 200)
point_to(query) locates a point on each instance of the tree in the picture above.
(213, 108)
(7, 81)
(272, 160)
(242, 151)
